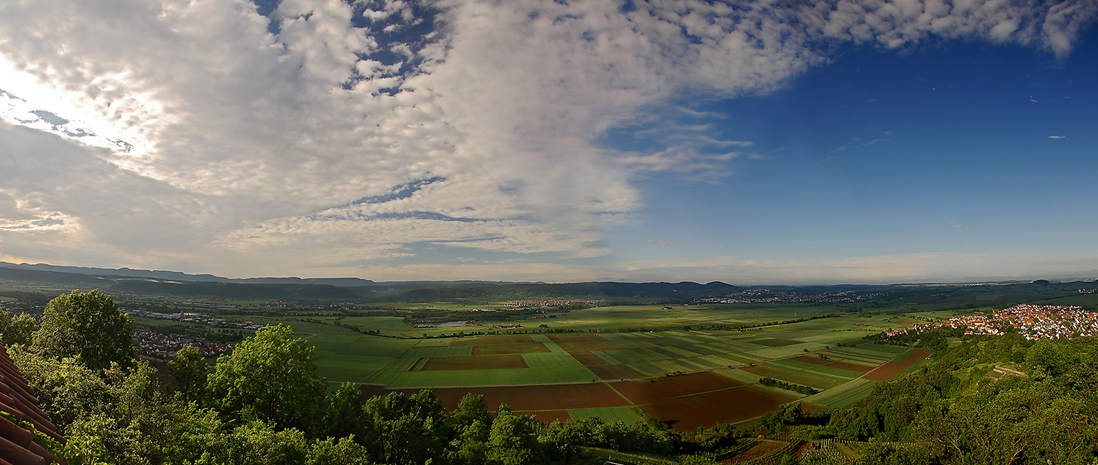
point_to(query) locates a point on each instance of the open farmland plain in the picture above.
(595, 363)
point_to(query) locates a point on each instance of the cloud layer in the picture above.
(330, 136)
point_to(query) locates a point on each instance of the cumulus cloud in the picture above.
(204, 135)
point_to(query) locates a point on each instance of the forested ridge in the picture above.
(265, 404)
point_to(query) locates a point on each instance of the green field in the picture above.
(599, 349)
(622, 414)
(605, 345)
(844, 395)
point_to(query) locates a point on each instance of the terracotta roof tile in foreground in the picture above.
(17, 401)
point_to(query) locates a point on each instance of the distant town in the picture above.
(759, 295)
(165, 345)
(1031, 321)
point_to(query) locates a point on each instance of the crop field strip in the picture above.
(898, 365)
(843, 395)
(550, 360)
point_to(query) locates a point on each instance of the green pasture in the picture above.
(625, 415)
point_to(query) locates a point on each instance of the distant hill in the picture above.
(172, 283)
(607, 291)
(184, 277)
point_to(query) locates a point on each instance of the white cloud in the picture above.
(249, 149)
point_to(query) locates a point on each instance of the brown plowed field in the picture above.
(474, 362)
(588, 359)
(896, 366)
(495, 339)
(706, 410)
(372, 390)
(851, 367)
(511, 348)
(615, 372)
(548, 397)
(658, 389)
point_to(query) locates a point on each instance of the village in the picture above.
(196, 318)
(761, 295)
(1031, 321)
(163, 345)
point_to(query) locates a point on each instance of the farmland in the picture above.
(618, 352)
(689, 365)
(684, 370)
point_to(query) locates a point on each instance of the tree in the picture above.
(270, 377)
(513, 439)
(86, 325)
(343, 414)
(471, 407)
(408, 430)
(18, 329)
(190, 372)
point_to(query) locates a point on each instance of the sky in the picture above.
(748, 142)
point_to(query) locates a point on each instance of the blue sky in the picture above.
(831, 142)
(959, 147)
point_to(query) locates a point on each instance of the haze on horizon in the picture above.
(533, 140)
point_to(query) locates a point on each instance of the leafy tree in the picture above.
(410, 430)
(343, 414)
(66, 389)
(18, 329)
(86, 325)
(1047, 358)
(190, 372)
(471, 407)
(270, 377)
(257, 443)
(513, 439)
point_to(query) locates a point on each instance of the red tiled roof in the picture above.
(17, 399)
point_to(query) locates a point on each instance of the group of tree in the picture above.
(957, 409)
(806, 390)
(265, 404)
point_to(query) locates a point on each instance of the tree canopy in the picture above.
(17, 329)
(270, 377)
(88, 326)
